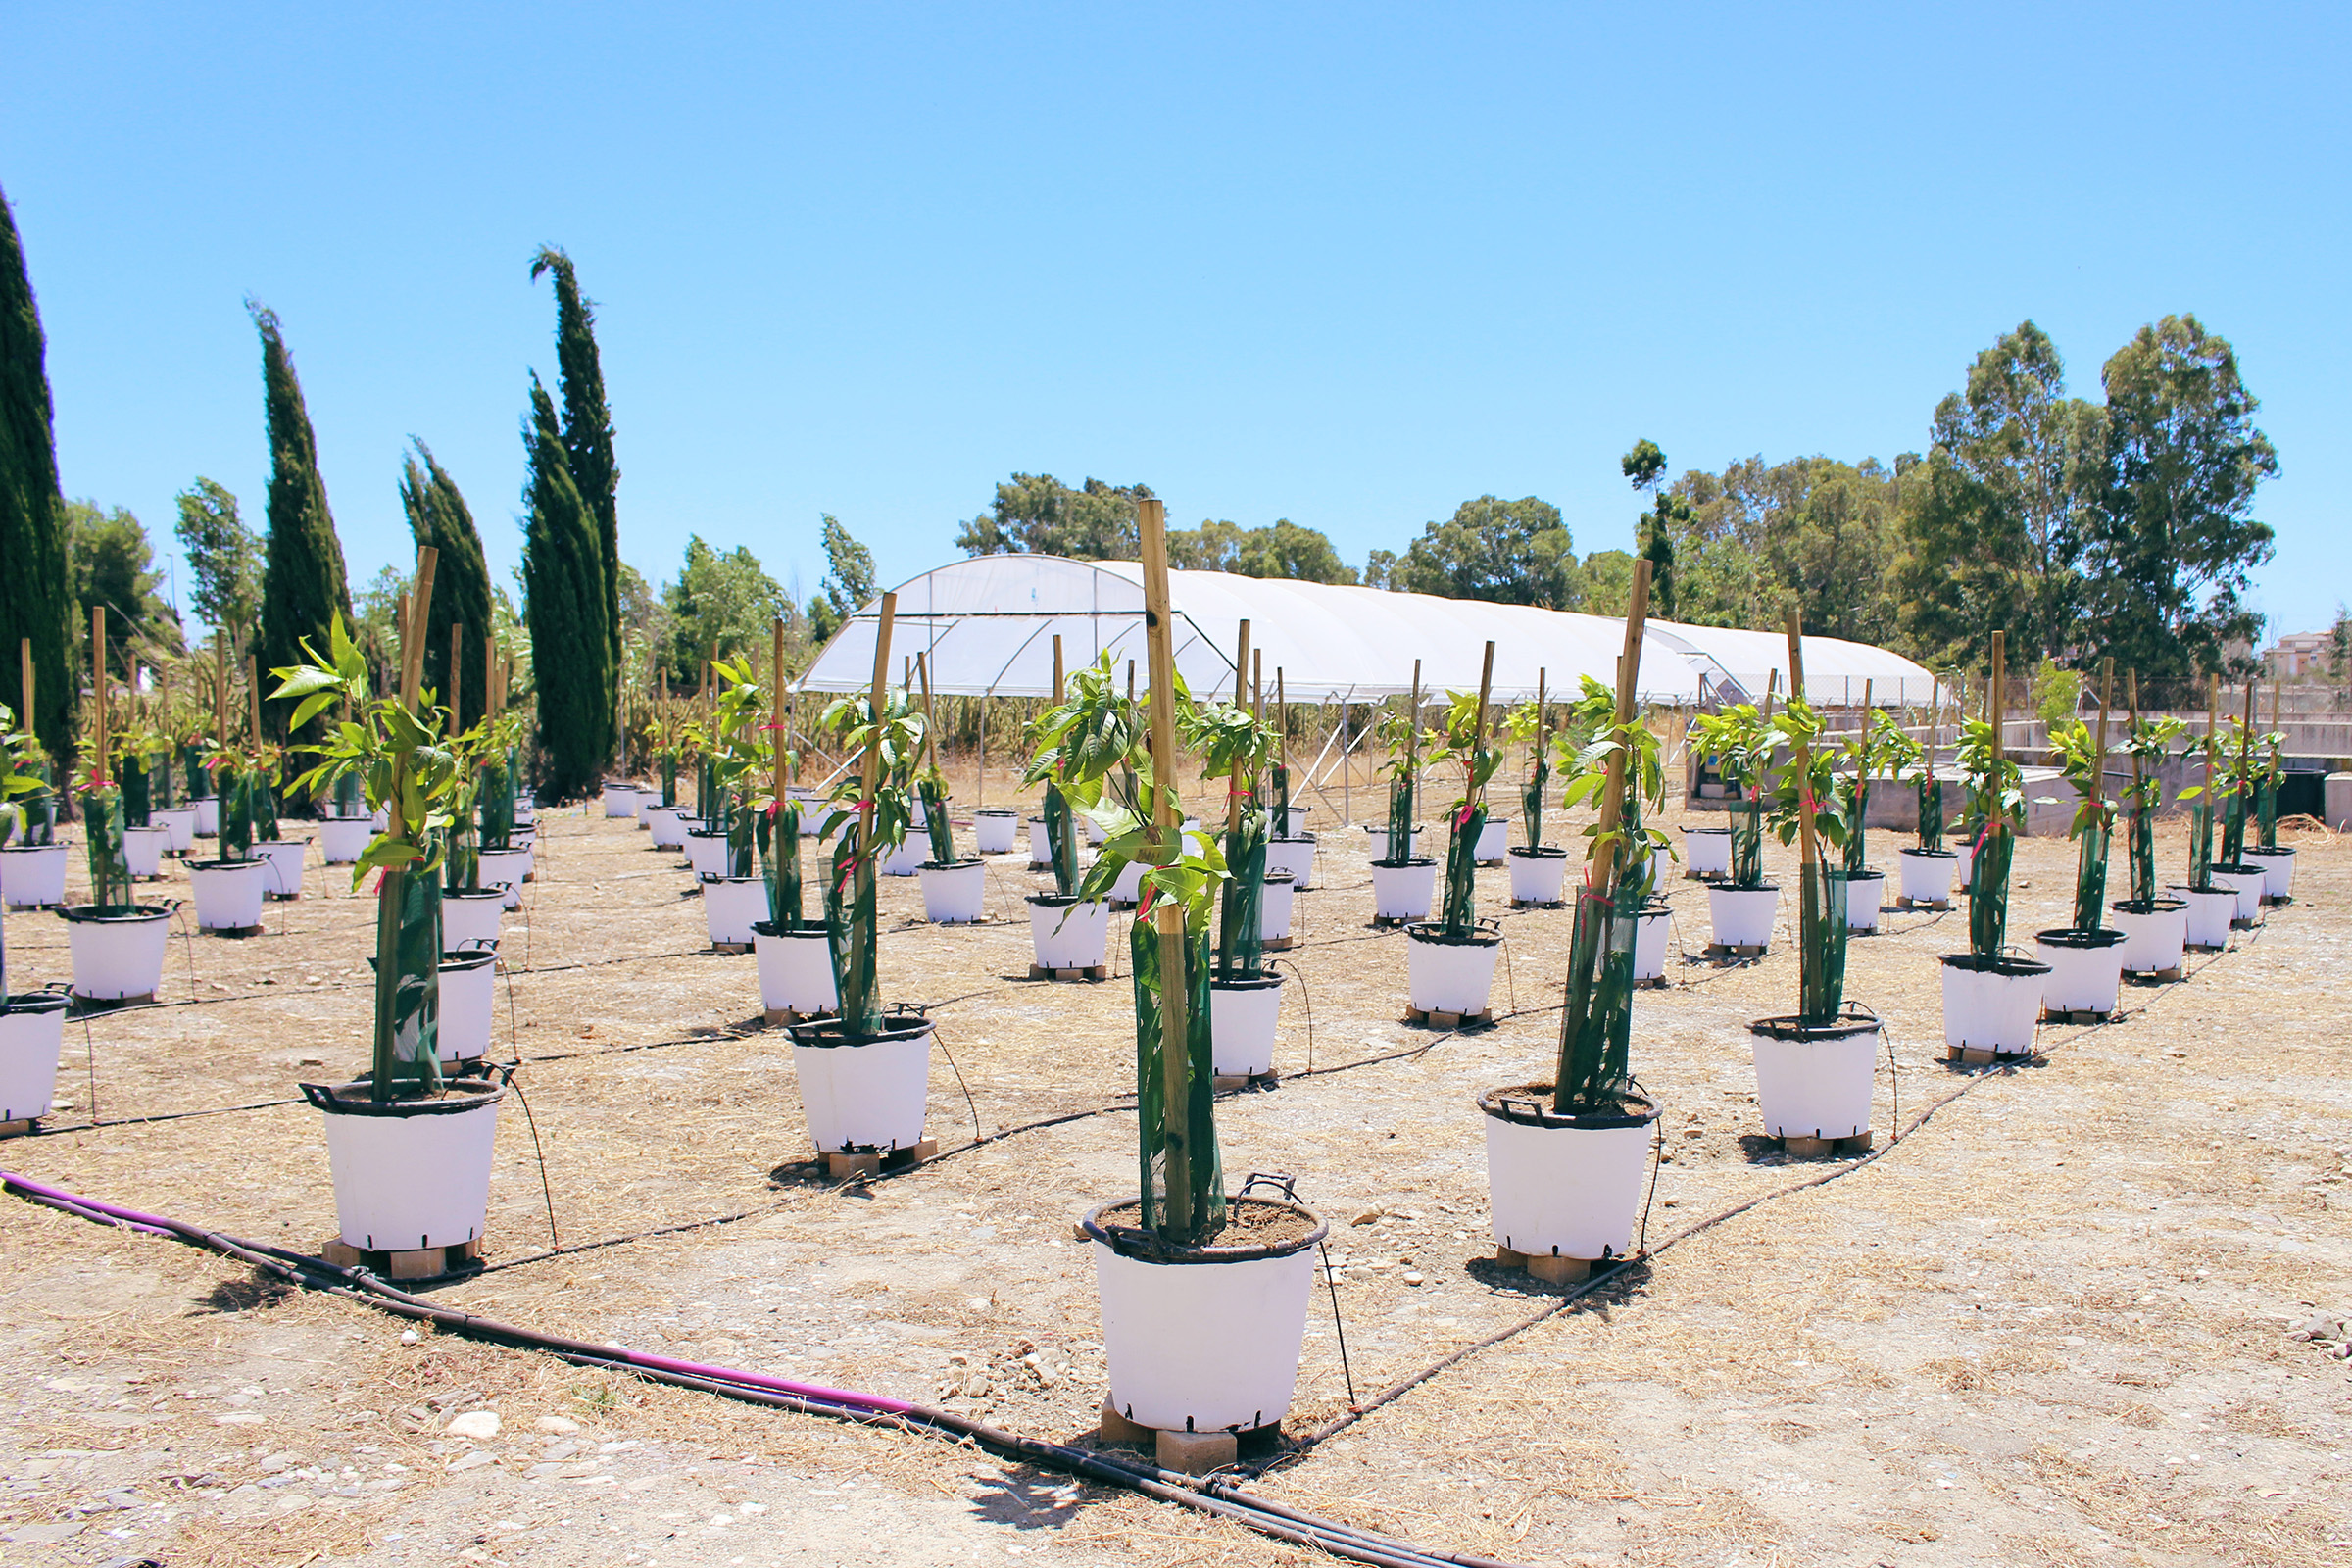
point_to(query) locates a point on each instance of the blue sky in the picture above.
(1343, 265)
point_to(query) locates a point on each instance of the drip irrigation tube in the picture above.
(1210, 1496)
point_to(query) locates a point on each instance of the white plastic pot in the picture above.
(1707, 850)
(1296, 855)
(32, 876)
(2210, 914)
(1275, 905)
(1403, 892)
(1293, 823)
(1741, 917)
(229, 893)
(32, 1031)
(414, 1180)
(143, 848)
(1378, 833)
(996, 829)
(1564, 1186)
(2154, 937)
(1493, 841)
(1041, 843)
(2086, 971)
(1450, 976)
(1206, 1345)
(620, 800)
(344, 839)
(177, 821)
(1865, 896)
(1992, 1005)
(527, 811)
(1537, 875)
(864, 1095)
(1650, 942)
(732, 906)
(661, 827)
(1814, 1080)
(207, 816)
(2277, 871)
(1928, 875)
(908, 858)
(1094, 831)
(1128, 890)
(956, 893)
(470, 920)
(117, 956)
(1242, 1015)
(468, 1004)
(1067, 934)
(2247, 883)
(706, 851)
(796, 970)
(1964, 860)
(505, 870)
(284, 857)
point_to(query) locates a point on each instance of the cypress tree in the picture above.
(563, 602)
(302, 564)
(35, 591)
(587, 431)
(438, 517)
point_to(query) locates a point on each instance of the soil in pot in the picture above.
(862, 1092)
(1565, 1185)
(1206, 1338)
(1813, 1080)
(1991, 1003)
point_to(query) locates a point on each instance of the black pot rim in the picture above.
(1932, 854)
(2087, 941)
(1690, 830)
(2241, 868)
(113, 914)
(1863, 876)
(1535, 1113)
(2150, 906)
(278, 844)
(2205, 892)
(1433, 931)
(461, 1096)
(1795, 1026)
(30, 849)
(1256, 982)
(731, 881)
(472, 893)
(951, 866)
(34, 1002)
(2007, 968)
(222, 865)
(996, 811)
(829, 1034)
(1279, 875)
(1404, 864)
(1144, 1248)
(2276, 848)
(806, 928)
(467, 959)
(1538, 851)
(1733, 887)
(1060, 901)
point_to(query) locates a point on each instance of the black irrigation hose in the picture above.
(1211, 1496)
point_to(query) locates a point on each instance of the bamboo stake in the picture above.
(1057, 669)
(2246, 742)
(1412, 755)
(1167, 917)
(98, 768)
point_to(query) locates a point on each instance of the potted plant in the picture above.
(1290, 849)
(33, 1023)
(1869, 753)
(955, 890)
(1738, 741)
(2155, 927)
(794, 954)
(503, 853)
(32, 858)
(229, 889)
(666, 734)
(410, 1149)
(466, 1004)
(118, 945)
(1565, 1156)
(284, 856)
(1204, 1295)
(1450, 960)
(1245, 999)
(2212, 904)
(346, 827)
(1538, 870)
(865, 1074)
(1991, 1002)
(1403, 880)
(1070, 933)
(2241, 772)
(735, 892)
(2277, 861)
(1925, 869)
(176, 735)
(2087, 955)
(137, 745)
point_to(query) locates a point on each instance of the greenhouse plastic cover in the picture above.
(986, 627)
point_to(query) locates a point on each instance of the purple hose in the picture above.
(157, 1225)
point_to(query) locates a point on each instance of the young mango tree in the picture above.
(2087, 955)
(2244, 765)
(1403, 880)
(1740, 742)
(401, 1115)
(31, 1022)
(1194, 1352)
(1873, 751)
(1450, 960)
(2155, 925)
(2277, 860)
(1069, 928)
(954, 887)
(118, 944)
(741, 761)
(1991, 1000)
(2212, 893)
(1538, 870)
(229, 889)
(1244, 997)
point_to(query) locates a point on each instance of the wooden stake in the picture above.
(1629, 665)
(860, 936)
(1809, 846)
(783, 732)
(2213, 724)
(1057, 669)
(2132, 699)
(411, 638)
(1241, 700)
(922, 670)
(24, 665)
(98, 768)
(2106, 699)
(253, 700)
(1478, 735)
(221, 687)
(1168, 917)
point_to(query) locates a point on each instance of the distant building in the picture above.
(2305, 653)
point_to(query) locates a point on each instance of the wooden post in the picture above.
(783, 731)
(98, 768)
(1629, 665)
(1413, 756)
(1809, 850)
(2245, 743)
(412, 636)
(1168, 917)
(24, 664)
(868, 860)
(2213, 724)
(221, 687)
(1535, 752)
(1257, 682)
(1478, 735)
(922, 670)
(1241, 700)
(1997, 695)
(253, 700)
(2099, 744)
(494, 700)
(1057, 669)
(980, 797)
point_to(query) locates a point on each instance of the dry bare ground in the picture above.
(2047, 1325)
